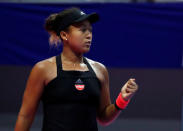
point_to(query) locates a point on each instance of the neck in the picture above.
(71, 56)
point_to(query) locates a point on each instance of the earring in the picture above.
(66, 39)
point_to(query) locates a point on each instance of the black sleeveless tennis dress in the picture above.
(70, 100)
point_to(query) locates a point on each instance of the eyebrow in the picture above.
(81, 24)
(86, 26)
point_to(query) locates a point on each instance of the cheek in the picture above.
(77, 38)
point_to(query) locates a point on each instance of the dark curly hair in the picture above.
(52, 24)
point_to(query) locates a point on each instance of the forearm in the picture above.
(112, 111)
(109, 114)
(23, 123)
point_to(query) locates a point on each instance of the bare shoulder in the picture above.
(43, 65)
(99, 68)
(97, 65)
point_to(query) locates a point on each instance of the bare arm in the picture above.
(31, 98)
(107, 112)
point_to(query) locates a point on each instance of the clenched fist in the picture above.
(129, 89)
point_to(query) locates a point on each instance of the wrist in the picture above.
(125, 99)
(120, 102)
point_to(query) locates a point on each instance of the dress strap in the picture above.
(89, 66)
(59, 64)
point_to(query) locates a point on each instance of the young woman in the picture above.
(74, 89)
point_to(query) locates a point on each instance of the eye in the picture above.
(84, 29)
(90, 29)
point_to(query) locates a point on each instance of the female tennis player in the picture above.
(74, 89)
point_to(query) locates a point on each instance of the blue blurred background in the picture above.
(141, 40)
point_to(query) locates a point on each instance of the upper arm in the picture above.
(105, 92)
(33, 91)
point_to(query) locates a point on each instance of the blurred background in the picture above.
(134, 38)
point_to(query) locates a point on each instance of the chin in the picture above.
(86, 50)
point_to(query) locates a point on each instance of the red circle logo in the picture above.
(79, 87)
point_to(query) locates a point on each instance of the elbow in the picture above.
(103, 122)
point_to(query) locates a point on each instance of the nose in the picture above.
(89, 35)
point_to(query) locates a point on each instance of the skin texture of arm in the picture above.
(31, 98)
(107, 111)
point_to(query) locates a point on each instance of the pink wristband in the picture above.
(120, 102)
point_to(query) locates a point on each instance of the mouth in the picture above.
(88, 43)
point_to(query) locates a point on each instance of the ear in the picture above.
(63, 35)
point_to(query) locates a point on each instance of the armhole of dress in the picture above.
(92, 71)
(89, 66)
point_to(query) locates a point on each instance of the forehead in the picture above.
(84, 23)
